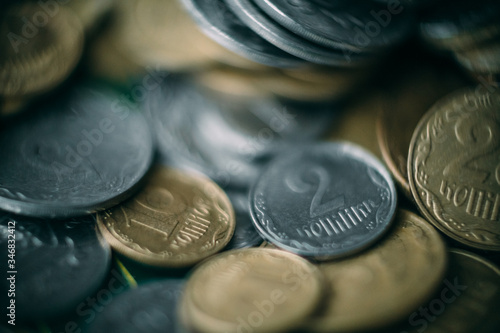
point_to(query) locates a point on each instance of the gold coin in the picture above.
(39, 50)
(405, 102)
(176, 220)
(466, 302)
(385, 283)
(254, 290)
(454, 167)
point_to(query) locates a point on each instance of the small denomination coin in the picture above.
(176, 220)
(324, 200)
(245, 234)
(386, 283)
(149, 308)
(57, 264)
(83, 152)
(223, 26)
(38, 51)
(454, 167)
(258, 290)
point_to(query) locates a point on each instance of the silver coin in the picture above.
(279, 36)
(81, 153)
(149, 308)
(325, 200)
(358, 26)
(220, 24)
(58, 264)
(245, 234)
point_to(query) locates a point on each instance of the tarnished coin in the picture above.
(245, 234)
(324, 200)
(220, 24)
(454, 167)
(149, 308)
(40, 47)
(57, 264)
(386, 283)
(466, 302)
(176, 220)
(83, 152)
(255, 290)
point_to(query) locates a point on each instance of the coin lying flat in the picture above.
(58, 264)
(176, 220)
(386, 283)
(220, 24)
(245, 234)
(258, 290)
(323, 200)
(83, 152)
(150, 308)
(454, 167)
(40, 49)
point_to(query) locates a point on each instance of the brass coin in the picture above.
(176, 220)
(454, 167)
(405, 102)
(39, 50)
(257, 290)
(385, 283)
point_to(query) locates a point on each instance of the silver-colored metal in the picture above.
(149, 308)
(325, 200)
(58, 264)
(220, 24)
(81, 153)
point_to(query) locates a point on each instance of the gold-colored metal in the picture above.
(454, 167)
(39, 49)
(254, 290)
(176, 220)
(385, 283)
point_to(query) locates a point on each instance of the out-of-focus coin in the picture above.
(406, 101)
(324, 200)
(384, 284)
(466, 302)
(149, 308)
(279, 36)
(354, 27)
(258, 290)
(484, 59)
(176, 220)
(83, 152)
(245, 234)
(454, 167)
(222, 25)
(39, 48)
(57, 263)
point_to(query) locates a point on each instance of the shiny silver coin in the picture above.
(356, 26)
(220, 24)
(58, 264)
(279, 36)
(325, 200)
(245, 234)
(81, 153)
(149, 308)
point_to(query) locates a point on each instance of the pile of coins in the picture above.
(250, 166)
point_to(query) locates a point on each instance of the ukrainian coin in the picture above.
(57, 264)
(176, 220)
(39, 50)
(387, 282)
(324, 200)
(81, 153)
(277, 35)
(245, 234)
(149, 308)
(352, 27)
(220, 24)
(454, 167)
(259, 290)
